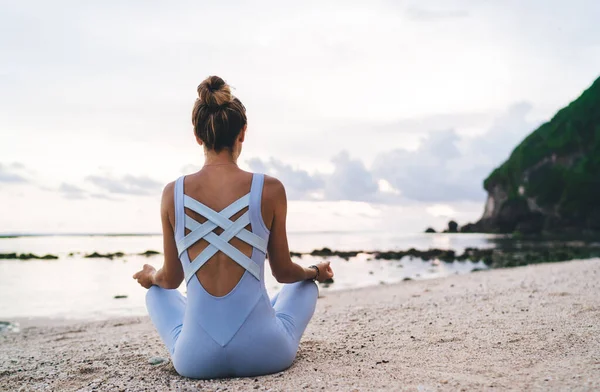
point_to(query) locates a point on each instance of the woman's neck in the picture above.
(223, 158)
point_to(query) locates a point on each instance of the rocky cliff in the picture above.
(551, 181)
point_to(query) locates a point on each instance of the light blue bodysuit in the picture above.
(243, 333)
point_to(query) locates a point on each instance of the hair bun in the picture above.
(214, 92)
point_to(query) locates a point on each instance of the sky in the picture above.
(376, 115)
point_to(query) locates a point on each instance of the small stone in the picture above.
(157, 360)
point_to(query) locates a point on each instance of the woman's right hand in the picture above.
(325, 271)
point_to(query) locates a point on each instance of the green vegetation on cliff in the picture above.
(557, 167)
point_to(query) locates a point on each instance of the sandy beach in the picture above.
(528, 328)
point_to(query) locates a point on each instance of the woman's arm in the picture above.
(171, 274)
(282, 266)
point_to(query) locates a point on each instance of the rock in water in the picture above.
(149, 253)
(452, 227)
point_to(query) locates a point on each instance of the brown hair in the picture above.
(218, 117)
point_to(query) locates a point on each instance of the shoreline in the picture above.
(526, 328)
(497, 256)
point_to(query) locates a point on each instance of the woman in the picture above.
(218, 225)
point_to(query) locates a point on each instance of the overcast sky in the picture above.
(375, 114)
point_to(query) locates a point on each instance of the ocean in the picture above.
(75, 287)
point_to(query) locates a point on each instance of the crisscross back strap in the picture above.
(205, 230)
(200, 230)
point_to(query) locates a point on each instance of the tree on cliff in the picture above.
(551, 181)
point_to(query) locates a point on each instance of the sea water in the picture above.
(76, 287)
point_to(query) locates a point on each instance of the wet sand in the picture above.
(528, 328)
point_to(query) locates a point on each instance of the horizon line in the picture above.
(150, 234)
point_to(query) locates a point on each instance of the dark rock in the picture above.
(26, 256)
(426, 255)
(295, 254)
(110, 256)
(512, 212)
(327, 282)
(149, 253)
(119, 296)
(326, 252)
(430, 230)
(390, 255)
(470, 228)
(97, 255)
(321, 252)
(499, 257)
(533, 223)
(452, 227)
(447, 256)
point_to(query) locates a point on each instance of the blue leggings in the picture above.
(266, 342)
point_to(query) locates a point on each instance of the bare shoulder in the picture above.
(273, 189)
(168, 192)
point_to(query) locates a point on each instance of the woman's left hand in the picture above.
(145, 277)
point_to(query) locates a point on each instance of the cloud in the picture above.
(505, 133)
(9, 173)
(445, 167)
(429, 173)
(350, 180)
(429, 14)
(190, 168)
(299, 184)
(103, 196)
(450, 167)
(72, 192)
(126, 185)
